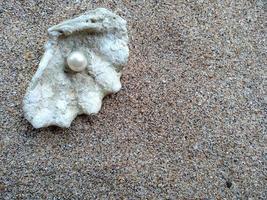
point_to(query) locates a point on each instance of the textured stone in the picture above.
(57, 94)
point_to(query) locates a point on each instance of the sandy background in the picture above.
(188, 123)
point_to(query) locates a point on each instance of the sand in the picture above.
(189, 122)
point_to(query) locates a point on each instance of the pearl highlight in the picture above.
(77, 61)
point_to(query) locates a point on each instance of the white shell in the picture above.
(57, 95)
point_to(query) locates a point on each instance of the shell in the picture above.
(56, 95)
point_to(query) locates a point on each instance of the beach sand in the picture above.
(187, 124)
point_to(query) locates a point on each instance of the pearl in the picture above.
(77, 61)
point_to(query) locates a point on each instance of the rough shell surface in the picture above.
(57, 94)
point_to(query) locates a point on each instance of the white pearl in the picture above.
(77, 61)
